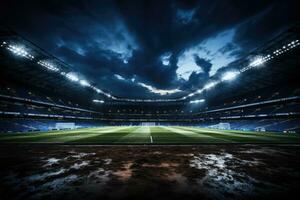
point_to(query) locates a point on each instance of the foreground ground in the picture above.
(149, 172)
(148, 135)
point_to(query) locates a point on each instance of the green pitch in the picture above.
(148, 135)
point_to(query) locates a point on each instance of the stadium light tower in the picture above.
(229, 76)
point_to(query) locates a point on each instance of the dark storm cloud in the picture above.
(102, 39)
(185, 16)
(195, 80)
(204, 64)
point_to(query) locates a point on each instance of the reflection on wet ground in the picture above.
(149, 172)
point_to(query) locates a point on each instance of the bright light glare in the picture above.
(71, 76)
(98, 101)
(200, 91)
(209, 85)
(98, 90)
(48, 65)
(84, 83)
(229, 76)
(257, 61)
(198, 101)
(20, 51)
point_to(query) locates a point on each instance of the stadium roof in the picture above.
(280, 68)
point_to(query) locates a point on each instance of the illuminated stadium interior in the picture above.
(200, 98)
(42, 87)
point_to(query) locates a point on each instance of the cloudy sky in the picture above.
(148, 49)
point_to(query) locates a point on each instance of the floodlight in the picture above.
(200, 90)
(72, 76)
(20, 51)
(98, 101)
(48, 65)
(209, 85)
(257, 61)
(84, 83)
(198, 101)
(97, 90)
(229, 76)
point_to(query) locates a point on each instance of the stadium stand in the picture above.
(264, 112)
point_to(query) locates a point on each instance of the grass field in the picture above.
(148, 135)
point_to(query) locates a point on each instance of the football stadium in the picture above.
(149, 99)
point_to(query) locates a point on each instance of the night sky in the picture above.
(148, 49)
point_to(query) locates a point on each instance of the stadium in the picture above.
(101, 100)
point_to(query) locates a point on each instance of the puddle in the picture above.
(80, 165)
(196, 172)
(99, 176)
(107, 161)
(220, 178)
(161, 165)
(51, 161)
(81, 155)
(41, 177)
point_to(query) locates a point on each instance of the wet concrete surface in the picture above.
(149, 172)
